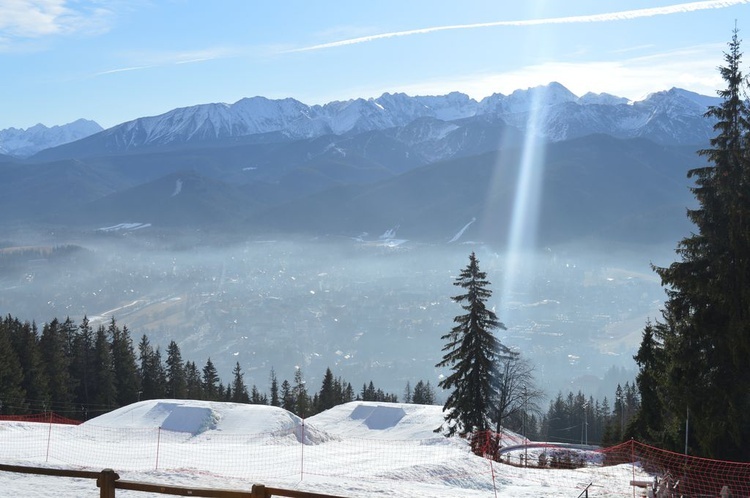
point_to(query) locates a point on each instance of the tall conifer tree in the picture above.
(176, 382)
(210, 381)
(473, 353)
(124, 364)
(12, 395)
(105, 388)
(53, 347)
(705, 334)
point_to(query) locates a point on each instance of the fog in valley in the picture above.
(371, 309)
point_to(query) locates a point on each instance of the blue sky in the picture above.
(116, 60)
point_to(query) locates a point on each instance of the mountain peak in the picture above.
(25, 143)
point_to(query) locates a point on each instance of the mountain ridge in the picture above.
(24, 143)
(552, 110)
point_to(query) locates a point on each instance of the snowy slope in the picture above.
(364, 449)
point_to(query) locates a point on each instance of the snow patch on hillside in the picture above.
(124, 227)
(177, 188)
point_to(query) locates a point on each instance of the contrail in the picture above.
(612, 16)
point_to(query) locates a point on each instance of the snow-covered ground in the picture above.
(354, 450)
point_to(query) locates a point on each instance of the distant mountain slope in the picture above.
(24, 143)
(595, 186)
(184, 199)
(670, 117)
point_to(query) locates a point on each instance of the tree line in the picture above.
(577, 419)
(81, 371)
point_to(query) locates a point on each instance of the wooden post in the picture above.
(106, 483)
(259, 491)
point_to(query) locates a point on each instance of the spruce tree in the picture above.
(53, 347)
(287, 398)
(83, 365)
(275, 401)
(151, 371)
(193, 382)
(26, 343)
(704, 335)
(124, 364)
(302, 400)
(408, 393)
(239, 392)
(423, 394)
(210, 381)
(12, 395)
(176, 382)
(327, 397)
(105, 389)
(472, 353)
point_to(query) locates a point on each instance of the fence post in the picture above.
(258, 491)
(106, 483)
(158, 444)
(302, 453)
(49, 436)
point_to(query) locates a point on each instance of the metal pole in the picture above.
(525, 441)
(687, 428)
(586, 422)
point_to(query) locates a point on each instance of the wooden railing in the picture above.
(108, 481)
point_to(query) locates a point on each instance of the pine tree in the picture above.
(53, 346)
(369, 393)
(302, 400)
(12, 395)
(124, 364)
(327, 397)
(348, 393)
(83, 366)
(105, 390)
(408, 393)
(256, 397)
(25, 340)
(193, 383)
(176, 383)
(704, 337)
(151, 371)
(239, 392)
(287, 398)
(648, 422)
(423, 394)
(472, 352)
(210, 381)
(275, 401)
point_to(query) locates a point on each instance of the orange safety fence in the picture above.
(44, 417)
(675, 474)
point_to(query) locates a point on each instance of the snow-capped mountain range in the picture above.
(675, 116)
(24, 143)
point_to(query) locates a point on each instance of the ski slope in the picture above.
(353, 450)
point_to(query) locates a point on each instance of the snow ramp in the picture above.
(375, 420)
(210, 418)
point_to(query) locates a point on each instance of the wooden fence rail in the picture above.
(108, 481)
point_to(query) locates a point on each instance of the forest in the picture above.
(79, 372)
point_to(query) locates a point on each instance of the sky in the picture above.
(112, 61)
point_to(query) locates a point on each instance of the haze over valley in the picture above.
(276, 250)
